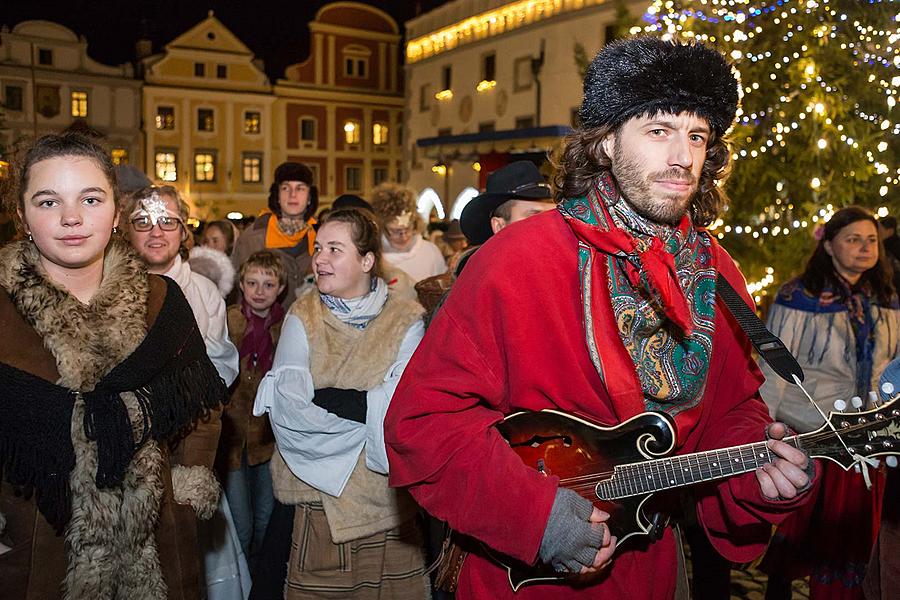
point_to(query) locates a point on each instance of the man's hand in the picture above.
(576, 539)
(787, 475)
(607, 546)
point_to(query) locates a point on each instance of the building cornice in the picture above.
(285, 89)
(353, 32)
(488, 24)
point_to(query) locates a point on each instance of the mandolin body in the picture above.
(568, 447)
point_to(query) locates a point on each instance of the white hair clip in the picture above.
(404, 218)
(153, 207)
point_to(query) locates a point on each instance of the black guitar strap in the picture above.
(769, 345)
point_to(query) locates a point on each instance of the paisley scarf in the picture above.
(659, 283)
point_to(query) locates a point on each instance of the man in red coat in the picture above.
(604, 308)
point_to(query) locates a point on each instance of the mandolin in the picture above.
(619, 468)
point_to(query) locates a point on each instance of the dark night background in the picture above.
(275, 30)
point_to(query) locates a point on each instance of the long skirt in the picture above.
(830, 539)
(385, 566)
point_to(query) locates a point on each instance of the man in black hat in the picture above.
(514, 192)
(605, 308)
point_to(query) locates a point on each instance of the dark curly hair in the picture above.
(582, 159)
(820, 271)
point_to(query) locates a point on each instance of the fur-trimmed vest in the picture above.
(123, 541)
(344, 357)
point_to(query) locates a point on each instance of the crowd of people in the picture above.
(298, 409)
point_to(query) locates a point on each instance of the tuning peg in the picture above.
(840, 405)
(857, 402)
(888, 388)
(891, 461)
(873, 399)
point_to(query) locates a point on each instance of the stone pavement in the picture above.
(750, 584)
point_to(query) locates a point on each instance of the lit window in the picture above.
(251, 122)
(379, 175)
(79, 104)
(307, 129)
(166, 168)
(165, 117)
(351, 132)
(380, 134)
(205, 119)
(204, 166)
(354, 178)
(119, 156)
(251, 168)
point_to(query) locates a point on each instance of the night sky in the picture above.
(275, 30)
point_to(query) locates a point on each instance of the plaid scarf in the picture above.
(658, 282)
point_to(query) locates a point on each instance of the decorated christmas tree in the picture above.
(818, 127)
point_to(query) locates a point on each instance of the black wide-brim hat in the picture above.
(644, 76)
(519, 180)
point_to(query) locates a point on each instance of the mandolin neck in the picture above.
(641, 478)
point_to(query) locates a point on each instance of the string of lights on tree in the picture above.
(817, 128)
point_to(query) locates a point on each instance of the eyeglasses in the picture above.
(399, 232)
(144, 224)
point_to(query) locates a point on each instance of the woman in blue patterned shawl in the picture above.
(841, 319)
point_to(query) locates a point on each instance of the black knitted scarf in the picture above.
(174, 384)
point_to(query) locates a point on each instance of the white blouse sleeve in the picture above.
(320, 448)
(221, 351)
(379, 398)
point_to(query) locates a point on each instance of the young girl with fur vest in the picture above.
(107, 399)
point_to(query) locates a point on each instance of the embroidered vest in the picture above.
(344, 357)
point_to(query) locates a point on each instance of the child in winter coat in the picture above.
(247, 443)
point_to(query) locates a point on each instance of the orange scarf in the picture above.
(276, 238)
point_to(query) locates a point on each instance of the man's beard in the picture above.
(637, 189)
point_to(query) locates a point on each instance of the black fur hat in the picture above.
(293, 171)
(646, 75)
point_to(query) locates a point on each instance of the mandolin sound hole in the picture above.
(536, 441)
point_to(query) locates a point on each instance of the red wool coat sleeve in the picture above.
(511, 337)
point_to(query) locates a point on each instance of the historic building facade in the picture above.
(493, 81)
(208, 121)
(49, 83)
(341, 110)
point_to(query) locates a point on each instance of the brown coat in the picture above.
(40, 564)
(240, 429)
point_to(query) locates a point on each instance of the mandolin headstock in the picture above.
(855, 432)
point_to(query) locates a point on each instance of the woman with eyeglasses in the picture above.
(288, 230)
(104, 385)
(402, 227)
